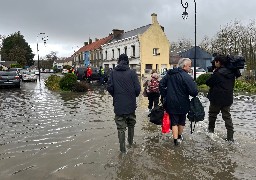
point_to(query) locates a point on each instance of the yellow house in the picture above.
(147, 48)
(154, 48)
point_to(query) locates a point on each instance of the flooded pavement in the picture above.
(52, 135)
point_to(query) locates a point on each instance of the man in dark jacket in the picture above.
(175, 88)
(221, 85)
(124, 87)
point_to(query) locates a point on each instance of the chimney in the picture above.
(117, 32)
(162, 28)
(154, 18)
(90, 41)
(85, 43)
(96, 39)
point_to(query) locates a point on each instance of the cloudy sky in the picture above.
(70, 23)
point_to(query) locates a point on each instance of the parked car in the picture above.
(95, 74)
(29, 76)
(64, 71)
(36, 72)
(17, 70)
(81, 73)
(199, 71)
(9, 78)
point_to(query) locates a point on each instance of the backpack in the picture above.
(196, 111)
(154, 85)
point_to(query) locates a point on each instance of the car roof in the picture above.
(12, 73)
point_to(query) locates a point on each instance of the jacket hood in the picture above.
(175, 71)
(122, 67)
(226, 72)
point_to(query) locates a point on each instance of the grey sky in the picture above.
(70, 23)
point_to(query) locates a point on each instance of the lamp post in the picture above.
(185, 16)
(44, 39)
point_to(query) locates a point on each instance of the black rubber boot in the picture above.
(121, 137)
(230, 136)
(211, 130)
(130, 135)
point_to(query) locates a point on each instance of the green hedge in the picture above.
(240, 85)
(52, 82)
(202, 79)
(68, 81)
(243, 86)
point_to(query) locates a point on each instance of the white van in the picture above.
(199, 71)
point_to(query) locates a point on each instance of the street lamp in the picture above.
(185, 16)
(44, 39)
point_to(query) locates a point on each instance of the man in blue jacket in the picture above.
(124, 87)
(175, 88)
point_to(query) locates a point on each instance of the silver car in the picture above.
(29, 76)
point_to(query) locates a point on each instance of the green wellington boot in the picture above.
(130, 135)
(121, 137)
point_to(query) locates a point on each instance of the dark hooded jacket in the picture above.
(175, 87)
(221, 85)
(124, 87)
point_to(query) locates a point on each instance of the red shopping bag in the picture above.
(166, 123)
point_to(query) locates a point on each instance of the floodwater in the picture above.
(62, 136)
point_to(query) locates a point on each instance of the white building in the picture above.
(122, 43)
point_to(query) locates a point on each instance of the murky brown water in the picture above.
(49, 135)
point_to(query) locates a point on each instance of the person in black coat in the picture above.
(124, 87)
(175, 88)
(220, 95)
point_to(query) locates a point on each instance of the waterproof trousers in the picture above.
(122, 122)
(214, 110)
(153, 99)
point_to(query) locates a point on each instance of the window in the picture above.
(113, 53)
(125, 50)
(133, 51)
(118, 51)
(106, 66)
(106, 54)
(101, 55)
(156, 51)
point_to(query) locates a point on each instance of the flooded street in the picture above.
(62, 136)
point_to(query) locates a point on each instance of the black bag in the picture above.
(145, 93)
(156, 115)
(196, 112)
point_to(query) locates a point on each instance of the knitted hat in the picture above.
(123, 59)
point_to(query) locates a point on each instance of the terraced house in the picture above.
(147, 48)
(90, 53)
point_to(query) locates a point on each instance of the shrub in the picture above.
(202, 79)
(241, 85)
(68, 81)
(80, 86)
(203, 88)
(52, 82)
(16, 66)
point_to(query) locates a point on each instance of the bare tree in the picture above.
(234, 39)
